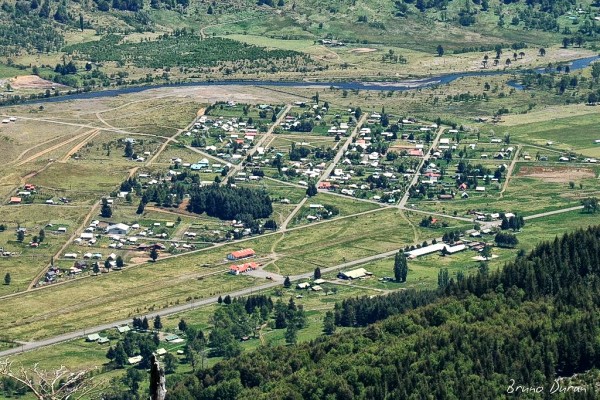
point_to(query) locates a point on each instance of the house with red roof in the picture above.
(240, 269)
(239, 254)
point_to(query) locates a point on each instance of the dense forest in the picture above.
(227, 202)
(534, 322)
(181, 48)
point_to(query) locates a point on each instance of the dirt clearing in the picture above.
(362, 50)
(33, 82)
(556, 174)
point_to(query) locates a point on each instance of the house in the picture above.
(70, 255)
(134, 360)
(354, 274)
(303, 285)
(319, 281)
(240, 269)
(123, 329)
(93, 337)
(15, 200)
(86, 236)
(62, 229)
(118, 229)
(480, 189)
(160, 352)
(424, 250)
(103, 340)
(415, 153)
(455, 249)
(316, 288)
(245, 253)
(171, 338)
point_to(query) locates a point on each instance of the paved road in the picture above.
(541, 215)
(183, 307)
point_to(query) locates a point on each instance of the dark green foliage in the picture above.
(157, 323)
(226, 202)
(183, 50)
(154, 254)
(533, 322)
(7, 278)
(400, 267)
(590, 205)
(105, 210)
(311, 190)
(506, 240)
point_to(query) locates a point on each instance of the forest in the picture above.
(227, 202)
(534, 322)
(181, 48)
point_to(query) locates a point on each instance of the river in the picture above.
(399, 85)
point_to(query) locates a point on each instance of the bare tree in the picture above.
(158, 390)
(59, 384)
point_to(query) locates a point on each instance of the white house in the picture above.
(118, 229)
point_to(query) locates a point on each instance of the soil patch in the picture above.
(556, 174)
(33, 82)
(362, 50)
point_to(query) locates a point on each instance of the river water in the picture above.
(399, 85)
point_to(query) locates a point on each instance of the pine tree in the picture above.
(317, 273)
(7, 278)
(145, 324)
(140, 209)
(157, 323)
(311, 190)
(128, 149)
(329, 323)
(291, 334)
(120, 262)
(400, 267)
(106, 210)
(41, 236)
(182, 325)
(120, 356)
(287, 283)
(154, 254)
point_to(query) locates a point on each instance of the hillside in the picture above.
(534, 323)
(380, 37)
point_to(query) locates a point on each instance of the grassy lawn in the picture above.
(576, 133)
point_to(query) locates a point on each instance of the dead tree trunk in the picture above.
(158, 390)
